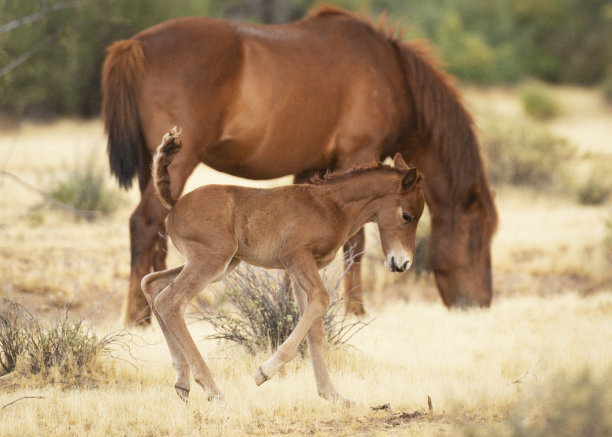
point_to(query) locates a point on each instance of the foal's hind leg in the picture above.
(199, 271)
(315, 344)
(152, 285)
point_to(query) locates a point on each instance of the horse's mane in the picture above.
(440, 114)
(342, 176)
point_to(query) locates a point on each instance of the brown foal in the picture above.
(298, 228)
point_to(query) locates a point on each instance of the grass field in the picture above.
(538, 362)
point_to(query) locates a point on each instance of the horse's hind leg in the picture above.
(148, 247)
(315, 343)
(152, 285)
(146, 222)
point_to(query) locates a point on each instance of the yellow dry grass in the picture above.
(550, 320)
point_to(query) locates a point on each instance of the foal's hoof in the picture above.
(216, 398)
(182, 392)
(260, 376)
(338, 398)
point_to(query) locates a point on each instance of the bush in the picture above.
(524, 153)
(85, 190)
(257, 312)
(576, 406)
(592, 192)
(538, 102)
(67, 347)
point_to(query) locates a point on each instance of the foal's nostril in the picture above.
(405, 266)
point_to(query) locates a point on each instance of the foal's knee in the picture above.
(319, 302)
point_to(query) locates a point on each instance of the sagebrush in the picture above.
(257, 311)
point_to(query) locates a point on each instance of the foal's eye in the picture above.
(407, 217)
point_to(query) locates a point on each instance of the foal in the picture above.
(298, 228)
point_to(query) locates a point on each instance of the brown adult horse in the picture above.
(327, 92)
(298, 228)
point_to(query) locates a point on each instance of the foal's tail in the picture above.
(164, 156)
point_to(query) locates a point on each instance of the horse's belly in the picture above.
(259, 159)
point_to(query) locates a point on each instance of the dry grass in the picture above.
(550, 320)
(476, 366)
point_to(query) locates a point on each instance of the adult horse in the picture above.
(327, 92)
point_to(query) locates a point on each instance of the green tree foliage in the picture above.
(50, 62)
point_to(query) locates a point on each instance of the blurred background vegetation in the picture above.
(51, 51)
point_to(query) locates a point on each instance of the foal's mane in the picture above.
(346, 175)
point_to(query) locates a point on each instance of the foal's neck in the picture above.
(359, 198)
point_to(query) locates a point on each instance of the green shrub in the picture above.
(257, 312)
(524, 153)
(596, 189)
(538, 102)
(85, 190)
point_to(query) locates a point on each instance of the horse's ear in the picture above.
(399, 163)
(472, 199)
(411, 178)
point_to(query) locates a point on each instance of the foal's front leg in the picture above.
(303, 271)
(315, 344)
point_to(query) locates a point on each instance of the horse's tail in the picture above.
(164, 156)
(121, 77)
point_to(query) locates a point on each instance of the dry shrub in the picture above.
(257, 311)
(67, 349)
(524, 153)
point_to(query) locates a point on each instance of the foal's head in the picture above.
(398, 217)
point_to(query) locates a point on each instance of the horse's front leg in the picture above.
(315, 343)
(303, 271)
(353, 294)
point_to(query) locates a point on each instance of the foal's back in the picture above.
(259, 222)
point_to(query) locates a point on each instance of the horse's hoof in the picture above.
(183, 393)
(260, 376)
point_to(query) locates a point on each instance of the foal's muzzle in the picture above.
(399, 268)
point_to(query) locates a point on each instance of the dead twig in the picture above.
(21, 398)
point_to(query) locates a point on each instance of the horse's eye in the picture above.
(407, 217)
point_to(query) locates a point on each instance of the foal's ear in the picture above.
(411, 178)
(399, 163)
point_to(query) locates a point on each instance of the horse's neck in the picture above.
(441, 138)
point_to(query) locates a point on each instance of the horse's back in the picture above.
(265, 101)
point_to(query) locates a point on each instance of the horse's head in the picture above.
(398, 217)
(459, 248)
